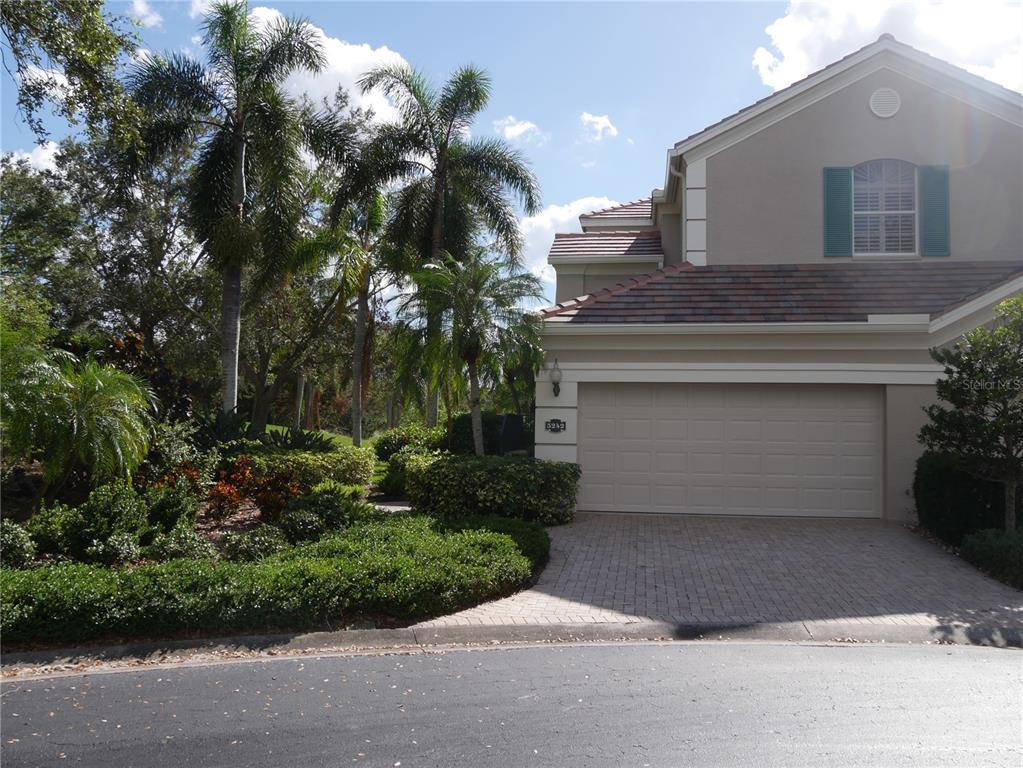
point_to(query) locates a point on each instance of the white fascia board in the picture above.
(615, 223)
(685, 329)
(625, 259)
(751, 373)
(985, 302)
(915, 319)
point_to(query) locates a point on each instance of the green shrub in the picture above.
(118, 549)
(58, 530)
(331, 505)
(393, 440)
(508, 486)
(349, 492)
(461, 434)
(998, 553)
(80, 533)
(264, 541)
(952, 503)
(167, 504)
(16, 547)
(299, 524)
(531, 539)
(405, 568)
(182, 541)
(174, 457)
(348, 465)
(292, 439)
(393, 483)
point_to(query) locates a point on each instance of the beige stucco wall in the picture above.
(904, 415)
(670, 225)
(764, 193)
(578, 280)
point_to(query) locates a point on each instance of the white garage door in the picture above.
(731, 449)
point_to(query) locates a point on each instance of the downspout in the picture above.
(682, 204)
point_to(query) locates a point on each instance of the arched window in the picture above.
(884, 207)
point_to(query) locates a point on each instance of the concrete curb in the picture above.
(427, 638)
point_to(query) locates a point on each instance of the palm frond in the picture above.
(494, 159)
(412, 94)
(285, 45)
(463, 96)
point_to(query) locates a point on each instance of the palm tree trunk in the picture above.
(432, 384)
(474, 403)
(312, 409)
(361, 313)
(231, 299)
(296, 417)
(433, 319)
(230, 335)
(1010, 505)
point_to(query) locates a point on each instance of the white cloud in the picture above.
(196, 40)
(597, 127)
(53, 81)
(982, 37)
(588, 163)
(522, 131)
(145, 13)
(346, 63)
(41, 157)
(538, 231)
(199, 8)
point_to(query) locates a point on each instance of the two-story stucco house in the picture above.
(753, 339)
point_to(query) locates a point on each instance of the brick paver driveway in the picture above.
(694, 570)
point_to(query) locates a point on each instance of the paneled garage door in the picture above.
(731, 449)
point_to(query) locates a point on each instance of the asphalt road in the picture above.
(600, 705)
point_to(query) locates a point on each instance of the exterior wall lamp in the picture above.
(556, 377)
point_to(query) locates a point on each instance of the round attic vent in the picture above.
(885, 102)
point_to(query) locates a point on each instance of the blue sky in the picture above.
(594, 93)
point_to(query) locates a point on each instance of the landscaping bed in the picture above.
(392, 570)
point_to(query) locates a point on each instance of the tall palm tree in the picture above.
(447, 172)
(359, 201)
(484, 298)
(246, 187)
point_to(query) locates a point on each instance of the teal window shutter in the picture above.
(934, 210)
(838, 215)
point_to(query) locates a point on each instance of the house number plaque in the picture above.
(555, 425)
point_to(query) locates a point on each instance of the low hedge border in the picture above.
(952, 504)
(997, 553)
(508, 486)
(402, 569)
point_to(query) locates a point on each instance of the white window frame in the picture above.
(915, 213)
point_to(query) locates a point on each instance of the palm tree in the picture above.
(483, 296)
(245, 192)
(448, 175)
(74, 416)
(359, 201)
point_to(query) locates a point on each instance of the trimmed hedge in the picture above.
(508, 486)
(424, 438)
(347, 465)
(404, 568)
(998, 553)
(952, 503)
